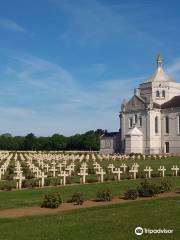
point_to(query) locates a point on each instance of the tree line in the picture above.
(87, 141)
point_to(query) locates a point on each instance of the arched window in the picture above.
(130, 123)
(140, 121)
(163, 93)
(167, 124)
(156, 125)
(157, 94)
(135, 118)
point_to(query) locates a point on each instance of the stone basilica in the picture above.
(150, 120)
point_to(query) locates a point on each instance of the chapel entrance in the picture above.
(166, 147)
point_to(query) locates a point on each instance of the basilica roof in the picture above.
(156, 105)
(110, 134)
(160, 75)
(173, 103)
(134, 132)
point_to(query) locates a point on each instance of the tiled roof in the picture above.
(160, 76)
(110, 134)
(156, 105)
(173, 103)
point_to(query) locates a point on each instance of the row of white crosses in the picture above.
(63, 170)
(147, 170)
(133, 170)
(57, 156)
(80, 158)
(62, 173)
(161, 170)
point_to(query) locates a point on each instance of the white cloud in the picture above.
(18, 112)
(11, 25)
(43, 98)
(95, 22)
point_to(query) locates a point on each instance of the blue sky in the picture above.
(66, 65)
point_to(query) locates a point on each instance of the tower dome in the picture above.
(160, 75)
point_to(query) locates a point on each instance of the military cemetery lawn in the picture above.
(26, 177)
(34, 196)
(112, 222)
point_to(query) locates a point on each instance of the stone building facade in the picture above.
(109, 142)
(150, 120)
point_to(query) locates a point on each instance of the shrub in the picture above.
(153, 175)
(47, 182)
(141, 175)
(69, 180)
(91, 171)
(29, 175)
(147, 189)
(26, 184)
(54, 182)
(77, 198)
(131, 194)
(165, 186)
(52, 200)
(178, 189)
(109, 177)
(104, 195)
(7, 187)
(8, 176)
(91, 180)
(35, 183)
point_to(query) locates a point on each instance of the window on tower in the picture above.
(135, 118)
(167, 124)
(140, 121)
(163, 93)
(157, 94)
(156, 125)
(130, 123)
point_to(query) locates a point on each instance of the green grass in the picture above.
(33, 197)
(112, 222)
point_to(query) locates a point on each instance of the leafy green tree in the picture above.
(30, 142)
(87, 141)
(59, 142)
(43, 143)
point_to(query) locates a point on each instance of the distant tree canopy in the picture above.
(86, 141)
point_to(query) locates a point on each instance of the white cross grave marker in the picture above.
(175, 170)
(148, 171)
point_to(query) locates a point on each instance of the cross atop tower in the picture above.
(159, 60)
